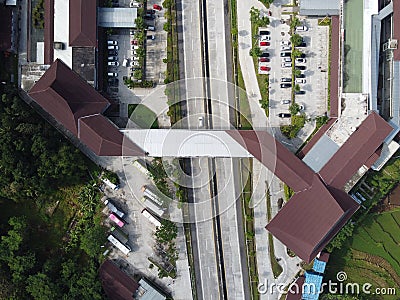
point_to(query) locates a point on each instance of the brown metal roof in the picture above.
(116, 284)
(311, 218)
(64, 95)
(334, 66)
(104, 138)
(396, 27)
(295, 291)
(355, 151)
(275, 157)
(48, 31)
(82, 23)
(5, 32)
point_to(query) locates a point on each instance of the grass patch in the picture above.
(142, 116)
(324, 22)
(291, 131)
(276, 267)
(262, 79)
(244, 105)
(288, 192)
(248, 219)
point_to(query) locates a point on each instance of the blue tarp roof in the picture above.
(311, 286)
(319, 266)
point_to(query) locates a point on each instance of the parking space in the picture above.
(133, 56)
(314, 81)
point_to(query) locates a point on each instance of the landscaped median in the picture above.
(262, 79)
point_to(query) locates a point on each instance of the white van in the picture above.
(201, 122)
(112, 74)
(125, 62)
(301, 28)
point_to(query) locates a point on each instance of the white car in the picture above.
(134, 47)
(135, 63)
(285, 48)
(301, 60)
(300, 80)
(113, 47)
(286, 101)
(134, 4)
(286, 65)
(301, 28)
(286, 59)
(265, 38)
(112, 43)
(112, 74)
(113, 63)
(285, 43)
(135, 58)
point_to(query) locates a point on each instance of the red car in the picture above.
(264, 68)
(157, 7)
(263, 59)
(134, 42)
(264, 44)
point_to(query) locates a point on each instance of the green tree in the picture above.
(297, 53)
(255, 52)
(263, 21)
(294, 23)
(92, 239)
(139, 22)
(296, 88)
(294, 108)
(254, 14)
(167, 232)
(296, 72)
(341, 237)
(41, 287)
(296, 39)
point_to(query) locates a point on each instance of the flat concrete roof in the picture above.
(186, 143)
(121, 17)
(61, 31)
(321, 153)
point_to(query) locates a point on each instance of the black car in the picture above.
(301, 68)
(284, 115)
(264, 54)
(301, 76)
(286, 79)
(150, 11)
(286, 54)
(303, 55)
(302, 45)
(286, 85)
(264, 32)
(150, 37)
(299, 92)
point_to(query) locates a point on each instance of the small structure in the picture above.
(116, 284)
(147, 291)
(319, 7)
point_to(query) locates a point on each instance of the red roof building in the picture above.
(320, 206)
(116, 284)
(77, 106)
(82, 23)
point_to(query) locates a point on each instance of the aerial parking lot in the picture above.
(135, 55)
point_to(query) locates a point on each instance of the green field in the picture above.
(372, 254)
(142, 116)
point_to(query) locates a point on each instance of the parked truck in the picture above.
(111, 206)
(117, 243)
(151, 195)
(151, 218)
(152, 206)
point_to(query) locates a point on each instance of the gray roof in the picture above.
(117, 17)
(321, 153)
(147, 291)
(319, 7)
